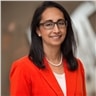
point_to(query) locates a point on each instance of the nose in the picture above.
(56, 28)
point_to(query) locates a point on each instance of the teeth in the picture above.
(55, 37)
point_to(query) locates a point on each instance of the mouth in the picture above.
(56, 36)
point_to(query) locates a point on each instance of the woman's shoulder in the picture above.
(23, 64)
(21, 60)
(80, 65)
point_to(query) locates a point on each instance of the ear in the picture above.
(38, 32)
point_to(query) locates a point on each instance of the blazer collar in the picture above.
(71, 79)
(50, 79)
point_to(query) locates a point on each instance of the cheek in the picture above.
(44, 33)
(64, 31)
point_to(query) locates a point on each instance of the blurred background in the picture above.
(16, 17)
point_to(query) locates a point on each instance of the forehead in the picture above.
(52, 13)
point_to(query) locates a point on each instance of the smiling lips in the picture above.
(56, 36)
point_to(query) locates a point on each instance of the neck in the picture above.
(54, 57)
(52, 52)
(53, 64)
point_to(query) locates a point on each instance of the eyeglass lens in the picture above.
(50, 24)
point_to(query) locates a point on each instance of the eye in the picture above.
(62, 22)
(48, 24)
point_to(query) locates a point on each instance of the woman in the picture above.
(51, 68)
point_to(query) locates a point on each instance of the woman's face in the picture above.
(52, 34)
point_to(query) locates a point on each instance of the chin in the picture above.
(56, 44)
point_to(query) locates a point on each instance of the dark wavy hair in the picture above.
(36, 53)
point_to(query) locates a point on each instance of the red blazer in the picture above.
(28, 80)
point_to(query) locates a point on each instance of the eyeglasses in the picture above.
(49, 24)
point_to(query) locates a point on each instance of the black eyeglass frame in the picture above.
(57, 23)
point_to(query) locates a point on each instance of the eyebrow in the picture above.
(51, 20)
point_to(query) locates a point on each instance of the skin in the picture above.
(53, 38)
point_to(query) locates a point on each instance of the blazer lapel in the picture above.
(50, 79)
(71, 80)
